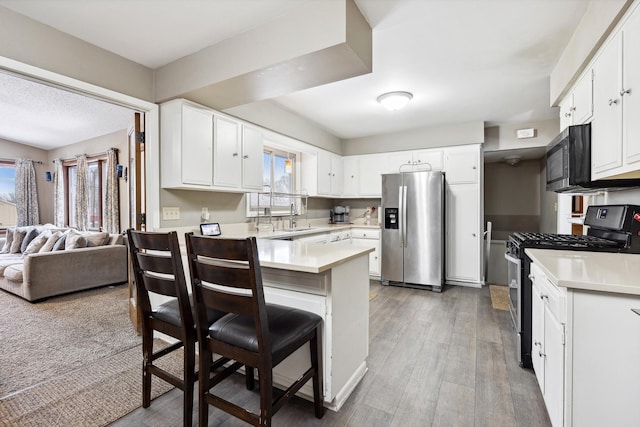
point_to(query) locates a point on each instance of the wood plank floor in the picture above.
(444, 359)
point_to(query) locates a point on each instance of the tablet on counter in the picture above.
(210, 229)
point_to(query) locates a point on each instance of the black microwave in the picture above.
(568, 164)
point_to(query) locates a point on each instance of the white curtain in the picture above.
(58, 193)
(26, 193)
(111, 205)
(82, 194)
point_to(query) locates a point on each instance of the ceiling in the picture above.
(463, 60)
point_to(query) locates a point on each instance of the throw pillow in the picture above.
(8, 240)
(32, 233)
(18, 237)
(60, 244)
(51, 241)
(75, 240)
(96, 239)
(36, 244)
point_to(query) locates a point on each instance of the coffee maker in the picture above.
(339, 215)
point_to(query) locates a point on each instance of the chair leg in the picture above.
(147, 356)
(189, 380)
(203, 385)
(316, 363)
(249, 377)
(265, 378)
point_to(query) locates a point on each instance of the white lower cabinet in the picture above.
(370, 238)
(548, 308)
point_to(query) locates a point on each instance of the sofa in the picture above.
(49, 261)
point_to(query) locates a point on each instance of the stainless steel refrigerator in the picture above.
(413, 229)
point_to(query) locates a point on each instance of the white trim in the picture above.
(152, 123)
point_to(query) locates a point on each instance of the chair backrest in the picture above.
(226, 276)
(157, 266)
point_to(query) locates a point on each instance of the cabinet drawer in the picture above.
(555, 299)
(365, 233)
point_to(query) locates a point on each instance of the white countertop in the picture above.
(267, 233)
(307, 257)
(594, 271)
(294, 255)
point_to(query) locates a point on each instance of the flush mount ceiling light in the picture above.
(393, 101)
(512, 160)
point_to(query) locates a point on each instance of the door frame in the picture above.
(152, 123)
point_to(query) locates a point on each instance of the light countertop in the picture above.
(294, 255)
(307, 257)
(268, 233)
(594, 271)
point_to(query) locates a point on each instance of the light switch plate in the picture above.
(170, 213)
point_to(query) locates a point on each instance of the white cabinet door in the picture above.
(370, 179)
(463, 234)
(350, 166)
(606, 128)
(462, 165)
(631, 89)
(197, 145)
(336, 175)
(553, 355)
(227, 153)
(537, 328)
(252, 155)
(428, 160)
(399, 161)
(566, 111)
(582, 108)
(324, 173)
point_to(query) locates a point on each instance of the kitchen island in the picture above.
(586, 336)
(331, 281)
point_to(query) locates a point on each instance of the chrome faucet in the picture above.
(292, 218)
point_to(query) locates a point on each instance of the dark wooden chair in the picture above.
(157, 266)
(225, 275)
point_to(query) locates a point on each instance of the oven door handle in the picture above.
(512, 259)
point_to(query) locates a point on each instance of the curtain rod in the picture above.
(89, 155)
(40, 162)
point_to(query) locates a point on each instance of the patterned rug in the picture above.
(71, 360)
(499, 297)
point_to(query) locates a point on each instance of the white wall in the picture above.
(430, 137)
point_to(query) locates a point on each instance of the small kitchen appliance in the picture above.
(340, 215)
(612, 228)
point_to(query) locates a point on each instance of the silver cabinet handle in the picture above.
(473, 234)
(531, 276)
(543, 296)
(612, 101)
(235, 154)
(567, 114)
(541, 354)
(623, 92)
(537, 343)
(246, 156)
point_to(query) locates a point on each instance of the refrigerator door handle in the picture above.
(404, 216)
(399, 219)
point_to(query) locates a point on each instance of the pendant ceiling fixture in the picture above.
(393, 101)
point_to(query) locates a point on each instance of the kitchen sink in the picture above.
(288, 230)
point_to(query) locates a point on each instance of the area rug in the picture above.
(499, 297)
(70, 360)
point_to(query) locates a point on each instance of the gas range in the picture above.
(612, 228)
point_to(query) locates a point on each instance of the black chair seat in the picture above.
(287, 327)
(170, 312)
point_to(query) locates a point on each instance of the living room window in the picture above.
(8, 211)
(97, 186)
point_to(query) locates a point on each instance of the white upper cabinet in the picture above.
(322, 173)
(350, 174)
(202, 150)
(227, 153)
(405, 161)
(616, 85)
(606, 128)
(252, 154)
(462, 164)
(577, 107)
(186, 145)
(371, 168)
